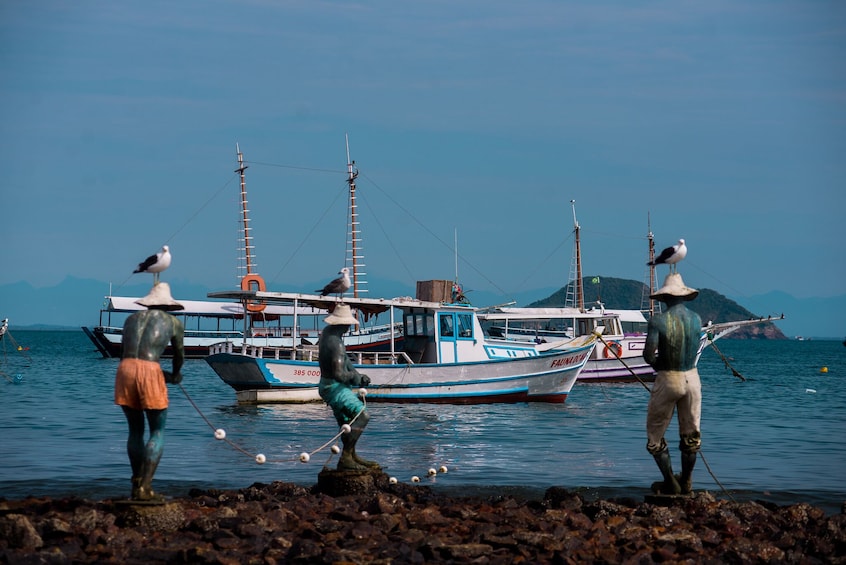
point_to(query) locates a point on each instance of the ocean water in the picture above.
(778, 436)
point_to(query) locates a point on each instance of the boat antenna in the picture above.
(456, 253)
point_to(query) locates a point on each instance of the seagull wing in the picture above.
(146, 264)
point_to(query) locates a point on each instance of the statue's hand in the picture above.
(365, 380)
(171, 378)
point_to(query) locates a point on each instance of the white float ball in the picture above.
(432, 472)
(219, 433)
(362, 392)
(260, 458)
(335, 449)
(415, 479)
(443, 469)
(346, 428)
(392, 480)
(304, 457)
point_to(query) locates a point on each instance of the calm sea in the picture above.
(778, 436)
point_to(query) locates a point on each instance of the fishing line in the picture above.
(701, 455)
(260, 458)
(305, 456)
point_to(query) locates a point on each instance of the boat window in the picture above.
(446, 325)
(465, 325)
(419, 324)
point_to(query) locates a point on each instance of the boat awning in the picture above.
(210, 309)
(368, 306)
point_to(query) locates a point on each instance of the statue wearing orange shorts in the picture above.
(140, 387)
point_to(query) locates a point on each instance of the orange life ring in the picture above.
(247, 284)
(613, 350)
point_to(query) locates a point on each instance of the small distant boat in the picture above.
(444, 357)
(13, 362)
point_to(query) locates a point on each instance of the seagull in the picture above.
(671, 255)
(339, 285)
(155, 263)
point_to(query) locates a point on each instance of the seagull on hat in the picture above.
(155, 263)
(671, 255)
(337, 286)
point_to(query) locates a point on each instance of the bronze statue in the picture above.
(672, 343)
(140, 382)
(337, 377)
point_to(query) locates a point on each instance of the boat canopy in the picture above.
(210, 309)
(506, 313)
(369, 306)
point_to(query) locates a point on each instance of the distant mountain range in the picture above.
(75, 302)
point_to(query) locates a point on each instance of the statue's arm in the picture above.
(178, 345)
(650, 348)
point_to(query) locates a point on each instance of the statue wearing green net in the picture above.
(337, 377)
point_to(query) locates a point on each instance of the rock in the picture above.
(384, 523)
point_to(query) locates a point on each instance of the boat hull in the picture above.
(542, 378)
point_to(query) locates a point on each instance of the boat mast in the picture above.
(652, 282)
(354, 251)
(248, 256)
(580, 288)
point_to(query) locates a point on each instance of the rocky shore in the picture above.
(400, 523)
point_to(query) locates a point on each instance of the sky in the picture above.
(472, 123)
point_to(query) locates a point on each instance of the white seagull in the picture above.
(671, 255)
(339, 285)
(155, 263)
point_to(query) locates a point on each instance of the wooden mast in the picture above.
(652, 282)
(248, 248)
(354, 252)
(580, 287)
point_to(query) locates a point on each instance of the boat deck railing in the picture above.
(309, 354)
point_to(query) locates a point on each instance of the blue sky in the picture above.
(724, 122)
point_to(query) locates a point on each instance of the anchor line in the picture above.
(724, 359)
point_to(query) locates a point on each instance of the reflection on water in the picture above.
(63, 433)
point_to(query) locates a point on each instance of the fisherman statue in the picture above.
(672, 343)
(337, 377)
(140, 387)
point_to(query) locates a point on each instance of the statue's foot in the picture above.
(661, 487)
(686, 485)
(348, 463)
(366, 463)
(146, 494)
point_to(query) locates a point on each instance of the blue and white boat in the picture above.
(444, 357)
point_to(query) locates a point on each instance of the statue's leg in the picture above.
(670, 485)
(662, 403)
(360, 424)
(152, 453)
(135, 445)
(347, 461)
(689, 411)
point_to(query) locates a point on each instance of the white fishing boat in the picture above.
(619, 356)
(444, 358)
(254, 324)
